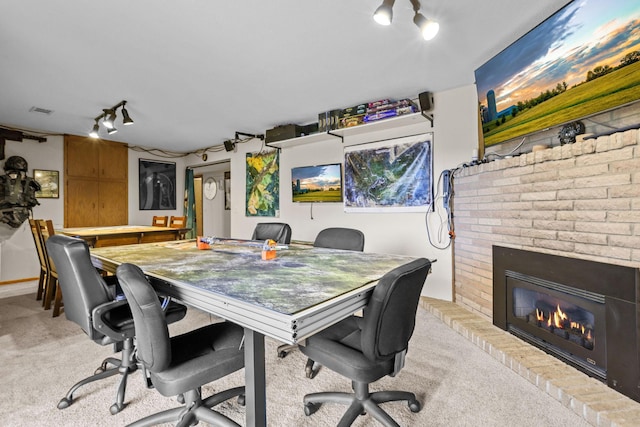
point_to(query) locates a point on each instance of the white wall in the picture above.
(455, 136)
(18, 258)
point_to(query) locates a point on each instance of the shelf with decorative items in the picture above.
(340, 133)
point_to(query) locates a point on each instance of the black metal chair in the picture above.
(182, 364)
(365, 349)
(94, 305)
(278, 231)
(334, 238)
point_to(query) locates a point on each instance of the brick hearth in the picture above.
(589, 398)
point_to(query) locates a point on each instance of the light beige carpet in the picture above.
(458, 384)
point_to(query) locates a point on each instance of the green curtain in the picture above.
(190, 204)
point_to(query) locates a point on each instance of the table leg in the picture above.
(254, 377)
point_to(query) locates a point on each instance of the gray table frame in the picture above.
(257, 322)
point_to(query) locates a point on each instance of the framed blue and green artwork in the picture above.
(389, 176)
(263, 184)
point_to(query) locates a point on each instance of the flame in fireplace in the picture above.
(559, 320)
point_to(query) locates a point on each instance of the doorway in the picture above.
(213, 214)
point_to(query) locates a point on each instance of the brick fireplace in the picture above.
(580, 201)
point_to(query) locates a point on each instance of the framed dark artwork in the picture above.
(157, 185)
(49, 183)
(389, 176)
(227, 190)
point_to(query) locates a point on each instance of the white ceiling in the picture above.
(194, 72)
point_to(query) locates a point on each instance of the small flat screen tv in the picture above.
(317, 184)
(582, 60)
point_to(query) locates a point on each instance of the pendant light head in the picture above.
(384, 13)
(95, 130)
(109, 118)
(428, 27)
(126, 119)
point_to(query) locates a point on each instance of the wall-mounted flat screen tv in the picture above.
(317, 184)
(582, 60)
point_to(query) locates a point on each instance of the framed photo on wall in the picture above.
(157, 185)
(49, 183)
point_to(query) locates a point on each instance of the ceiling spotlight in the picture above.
(428, 27)
(384, 13)
(95, 130)
(112, 131)
(126, 119)
(109, 118)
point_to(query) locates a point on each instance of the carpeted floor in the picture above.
(458, 384)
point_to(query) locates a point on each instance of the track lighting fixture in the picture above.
(108, 118)
(428, 27)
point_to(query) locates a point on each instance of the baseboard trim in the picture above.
(10, 282)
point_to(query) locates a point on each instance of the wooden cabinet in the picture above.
(96, 182)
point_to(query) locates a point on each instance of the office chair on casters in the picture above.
(92, 304)
(278, 231)
(348, 239)
(182, 364)
(365, 349)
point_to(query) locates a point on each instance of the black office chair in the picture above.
(93, 304)
(348, 239)
(180, 365)
(365, 349)
(278, 231)
(335, 238)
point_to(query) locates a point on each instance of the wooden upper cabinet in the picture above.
(114, 161)
(96, 182)
(81, 156)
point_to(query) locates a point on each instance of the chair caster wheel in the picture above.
(115, 408)
(308, 369)
(64, 403)
(180, 399)
(310, 408)
(282, 354)
(241, 400)
(414, 406)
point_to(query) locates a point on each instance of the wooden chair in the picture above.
(160, 221)
(42, 257)
(178, 222)
(53, 292)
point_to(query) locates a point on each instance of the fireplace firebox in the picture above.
(582, 312)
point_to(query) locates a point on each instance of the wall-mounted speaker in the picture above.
(426, 101)
(228, 145)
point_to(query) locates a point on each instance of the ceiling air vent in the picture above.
(40, 110)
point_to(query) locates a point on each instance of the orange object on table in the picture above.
(269, 250)
(202, 245)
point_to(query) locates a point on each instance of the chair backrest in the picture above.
(152, 334)
(278, 231)
(82, 287)
(46, 231)
(39, 242)
(160, 221)
(390, 315)
(178, 222)
(340, 238)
